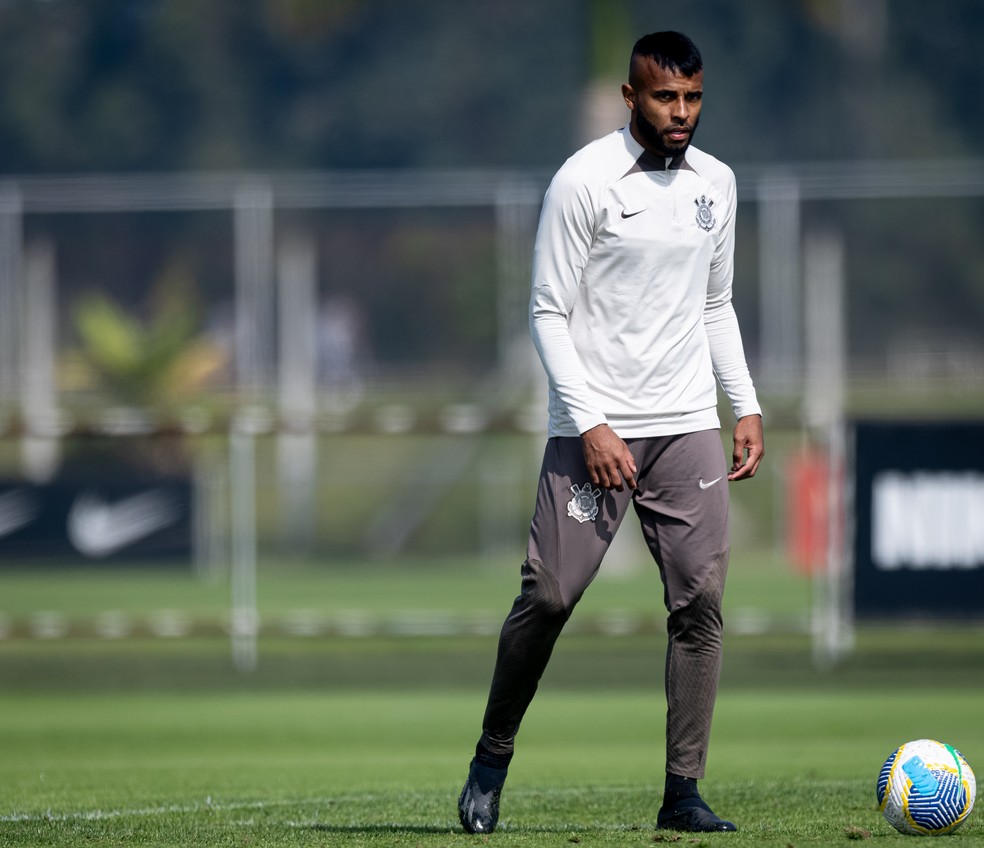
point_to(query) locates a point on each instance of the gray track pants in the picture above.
(682, 505)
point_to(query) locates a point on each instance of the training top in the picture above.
(631, 308)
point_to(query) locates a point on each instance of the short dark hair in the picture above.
(672, 51)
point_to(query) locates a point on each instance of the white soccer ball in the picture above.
(926, 788)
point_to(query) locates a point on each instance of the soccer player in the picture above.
(631, 315)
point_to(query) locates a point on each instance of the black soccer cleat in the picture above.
(478, 806)
(692, 815)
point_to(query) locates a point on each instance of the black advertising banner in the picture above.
(96, 519)
(919, 519)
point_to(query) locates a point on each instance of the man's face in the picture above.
(665, 107)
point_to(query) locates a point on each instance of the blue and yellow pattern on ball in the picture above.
(926, 788)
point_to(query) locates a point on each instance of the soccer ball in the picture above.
(926, 788)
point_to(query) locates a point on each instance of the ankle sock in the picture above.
(485, 757)
(679, 788)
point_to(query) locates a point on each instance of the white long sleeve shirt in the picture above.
(631, 308)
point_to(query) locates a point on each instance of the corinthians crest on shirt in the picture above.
(705, 215)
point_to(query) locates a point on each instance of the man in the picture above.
(631, 315)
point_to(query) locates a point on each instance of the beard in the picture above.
(655, 138)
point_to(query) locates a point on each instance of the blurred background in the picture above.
(263, 290)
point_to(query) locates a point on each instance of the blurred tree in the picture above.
(149, 84)
(155, 365)
(172, 85)
(177, 84)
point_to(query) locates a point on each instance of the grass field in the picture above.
(364, 740)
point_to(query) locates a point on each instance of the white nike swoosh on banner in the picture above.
(18, 508)
(97, 528)
(704, 485)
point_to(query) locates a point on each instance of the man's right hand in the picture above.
(608, 458)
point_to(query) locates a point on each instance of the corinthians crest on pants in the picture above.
(584, 505)
(705, 217)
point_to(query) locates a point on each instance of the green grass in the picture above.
(758, 581)
(355, 768)
(363, 741)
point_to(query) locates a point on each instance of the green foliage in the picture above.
(613, 32)
(151, 364)
(111, 335)
(116, 84)
(185, 86)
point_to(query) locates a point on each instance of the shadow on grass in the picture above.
(382, 828)
(396, 828)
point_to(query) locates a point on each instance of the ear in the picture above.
(629, 95)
